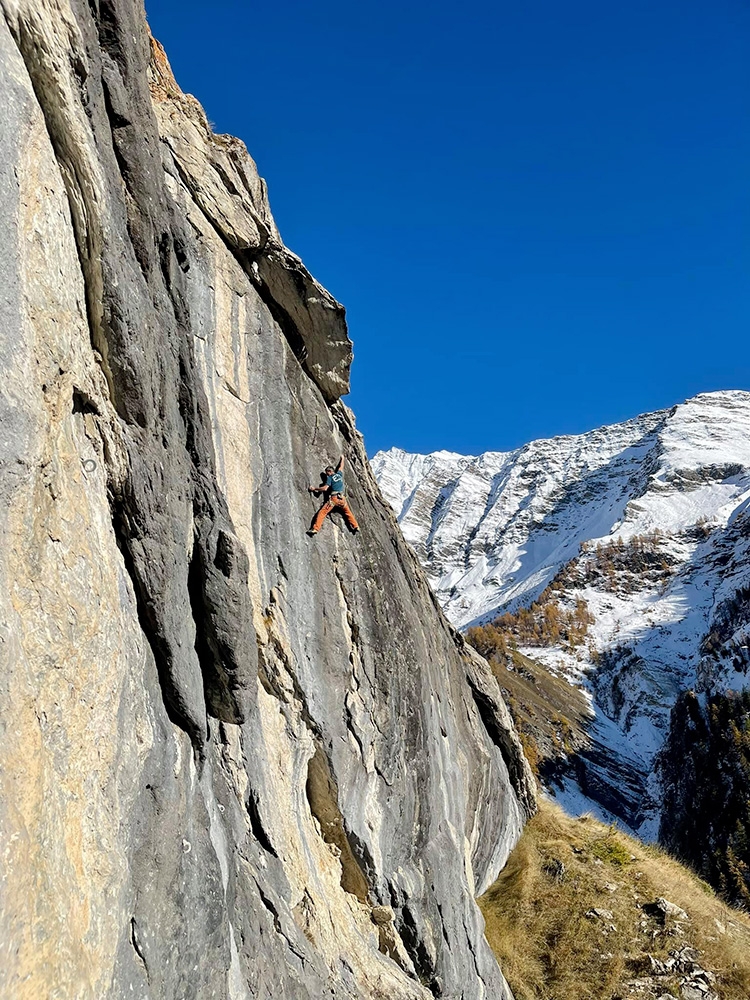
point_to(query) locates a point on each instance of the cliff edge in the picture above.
(235, 762)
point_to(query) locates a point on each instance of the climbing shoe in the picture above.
(311, 533)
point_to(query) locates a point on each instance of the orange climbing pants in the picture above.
(336, 501)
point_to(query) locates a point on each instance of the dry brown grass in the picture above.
(548, 948)
(550, 714)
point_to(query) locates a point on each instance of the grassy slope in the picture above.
(548, 948)
(550, 714)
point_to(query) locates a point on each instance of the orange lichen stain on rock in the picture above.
(161, 78)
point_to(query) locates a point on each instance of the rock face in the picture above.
(234, 762)
(634, 540)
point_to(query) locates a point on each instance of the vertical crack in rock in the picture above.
(142, 332)
(256, 823)
(423, 961)
(389, 940)
(138, 947)
(178, 707)
(277, 915)
(322, 794)
(277, 654)
(225, 638)
(29, 37)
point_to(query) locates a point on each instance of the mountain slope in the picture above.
(584, 912)
(234, 762)
(619, 560)
(493, 530)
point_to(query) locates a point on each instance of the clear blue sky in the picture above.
(536, 213)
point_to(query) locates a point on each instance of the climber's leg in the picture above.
(321, 515)
(348, 516)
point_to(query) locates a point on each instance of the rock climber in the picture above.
(333, 488)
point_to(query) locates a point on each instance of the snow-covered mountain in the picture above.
(647, 522)
(494, 529)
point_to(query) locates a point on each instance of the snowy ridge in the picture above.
(495, 529)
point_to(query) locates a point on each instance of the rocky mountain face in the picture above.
(234, 762)
(619, 560)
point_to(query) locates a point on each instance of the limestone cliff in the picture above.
(234, 762)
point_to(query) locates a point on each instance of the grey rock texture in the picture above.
(235, 762)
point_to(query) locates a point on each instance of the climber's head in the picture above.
(330, 470)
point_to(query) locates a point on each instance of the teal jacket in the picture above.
(335, 483)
